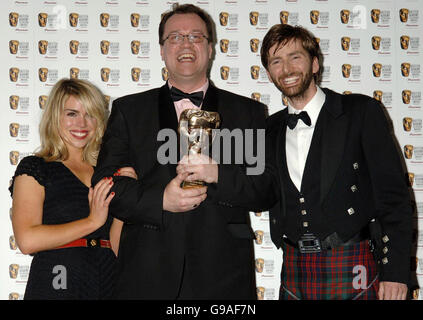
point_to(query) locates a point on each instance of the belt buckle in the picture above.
(93, 243)
(308, 243)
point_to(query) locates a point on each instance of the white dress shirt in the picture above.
(298, 140)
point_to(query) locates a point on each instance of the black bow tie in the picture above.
(293, 119)
(195, 97)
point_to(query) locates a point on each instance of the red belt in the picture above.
(90, 243)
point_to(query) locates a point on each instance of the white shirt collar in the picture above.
(313, 107)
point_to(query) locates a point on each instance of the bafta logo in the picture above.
(13, 19)
(345, 43)
(346, 70)
(223, 18)
(135, 20)
(283, 17)
(375, 15)
(73, 46)
(13, 46)
(42, 19)
(42, 46)
(407, 123)
(196, 132)
(73, 19)
(314, 16)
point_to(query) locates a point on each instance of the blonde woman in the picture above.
(57, 216)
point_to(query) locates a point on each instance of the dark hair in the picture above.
(186, 9)
(281, 34)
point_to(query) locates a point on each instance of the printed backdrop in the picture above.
(372, 47)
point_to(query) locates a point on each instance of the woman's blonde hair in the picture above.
(52, 146)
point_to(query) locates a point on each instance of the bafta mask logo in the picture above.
(404, 40)
(317, 40)
(14, 74)
(14, 157)
(256, 96)
(406, 96)
(196, 132)
(410, 178)
(259, 234)
(135, 20)
(377, 94)
(105, 73)
(14, 129)
(254, 18)
(73, 46)
(408, 151)
(73, 19)
(42, 100)
(42, 46)
(345, 43)
(259, 265)
(223, 18)
(12, 243)
(42, 74)
(283, 16)
(375, 15)
(314, 16)
(348, 92)
(255, 72)
(104, 46)
(260, 293)
(224, 72)
(403, 14)
(405, 69)
(165, 74)
(345, 16)
(135, 46)
(135, 74)
(42, 19)
(376, 42)
(13, 271)
(13, 296)
(407, 123)
(13, 19)
(254, 45)
(224, 45)
(377, 69)
(104, 19)
(346, 70)
(13, 46)
(74, 73)
(14, 102)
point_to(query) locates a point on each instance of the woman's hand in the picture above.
(126, 172)
(99, 201)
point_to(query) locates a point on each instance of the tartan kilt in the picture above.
(329, 275)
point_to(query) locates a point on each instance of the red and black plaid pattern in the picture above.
(329, 275)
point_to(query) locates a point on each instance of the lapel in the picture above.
(281, 163)
(334, 126)
(167, 112)
(211, 101)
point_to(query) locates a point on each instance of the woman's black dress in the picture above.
(69, 273)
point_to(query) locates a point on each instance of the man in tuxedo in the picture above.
(333, 181)
(177, 243)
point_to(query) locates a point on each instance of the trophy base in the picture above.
(192, 184)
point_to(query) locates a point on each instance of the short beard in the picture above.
(301, 89)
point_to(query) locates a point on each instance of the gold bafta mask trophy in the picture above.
(196, 135)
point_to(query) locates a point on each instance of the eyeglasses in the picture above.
(178, 38)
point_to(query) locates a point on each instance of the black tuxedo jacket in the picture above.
(206, 253)
(357, 150)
